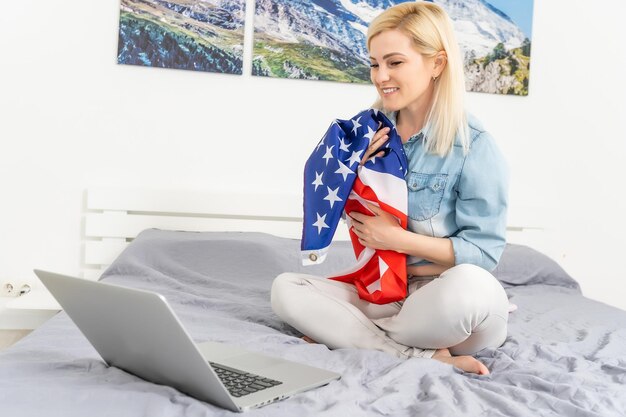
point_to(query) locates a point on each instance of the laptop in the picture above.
(137, 331)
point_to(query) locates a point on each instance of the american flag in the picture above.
(334, 180)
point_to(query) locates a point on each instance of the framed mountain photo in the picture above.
(198, 35)
(326, 40)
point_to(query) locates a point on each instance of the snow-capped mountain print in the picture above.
(326, 40)
(201, 35)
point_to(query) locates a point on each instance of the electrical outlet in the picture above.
(24, 289)
(8, 290)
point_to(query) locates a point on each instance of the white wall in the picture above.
(71, 118)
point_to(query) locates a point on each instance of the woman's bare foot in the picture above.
(308, 339)
(466, 363)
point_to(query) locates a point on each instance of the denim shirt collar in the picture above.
(393, 116)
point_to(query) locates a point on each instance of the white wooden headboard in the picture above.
(114, 216)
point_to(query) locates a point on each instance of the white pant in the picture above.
(464, 309)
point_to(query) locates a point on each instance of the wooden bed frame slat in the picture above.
(192, 202)
(109, 224)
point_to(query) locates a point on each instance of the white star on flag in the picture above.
(328, 155)
(356, 125)
(320, 224)
(318, 180)
(332, 196)
(343, 170)
(344, 145)
(370, 133)
(356, 157)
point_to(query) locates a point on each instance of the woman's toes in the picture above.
(466, 363)
(471, 364)
(483, 370)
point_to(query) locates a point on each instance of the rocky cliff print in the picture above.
(199, 35)
(326, 40)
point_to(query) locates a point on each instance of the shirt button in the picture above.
(436, 187)
(313, 257)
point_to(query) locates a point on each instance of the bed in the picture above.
(565, 354)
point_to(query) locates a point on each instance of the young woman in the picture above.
(457, 184)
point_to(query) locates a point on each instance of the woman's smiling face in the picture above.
(402, 76)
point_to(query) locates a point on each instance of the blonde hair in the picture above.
(431, 32)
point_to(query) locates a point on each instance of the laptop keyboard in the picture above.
(241, 383)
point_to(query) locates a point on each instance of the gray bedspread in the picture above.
(565, 354)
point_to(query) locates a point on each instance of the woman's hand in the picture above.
(380, 137)
(379, 231)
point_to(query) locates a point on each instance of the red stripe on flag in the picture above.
(393, 285)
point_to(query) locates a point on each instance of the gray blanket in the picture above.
(565, 354)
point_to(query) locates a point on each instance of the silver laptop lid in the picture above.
(137, 331)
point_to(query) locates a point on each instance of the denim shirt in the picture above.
(460, 197)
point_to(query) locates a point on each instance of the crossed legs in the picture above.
(465, 310)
